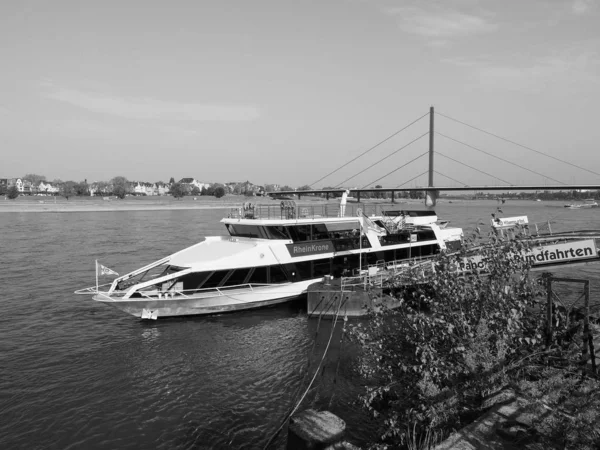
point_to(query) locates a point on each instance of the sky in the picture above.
(286, 92)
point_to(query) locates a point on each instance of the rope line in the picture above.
(337, 367)
(372, 148)
(384, 158)
(450, 178)
(290, 414)
(413, 178)
(474, 168)
(516, 143)
(395, 170)
(497, 157)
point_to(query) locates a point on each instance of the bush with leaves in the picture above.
(219, 191)
(12, 192)
(178, 190)
(451, 341)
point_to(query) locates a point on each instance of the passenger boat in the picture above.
(589, 203)
(272, 253)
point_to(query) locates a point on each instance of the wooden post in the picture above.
(548, 309)
(588, 338)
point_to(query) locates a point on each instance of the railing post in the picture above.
(548, 277)
(588, 339)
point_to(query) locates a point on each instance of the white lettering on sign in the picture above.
(547, 254)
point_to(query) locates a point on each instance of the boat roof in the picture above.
(211, 250)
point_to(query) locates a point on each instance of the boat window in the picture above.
(322, 267)
(343, 226)
(303, 270)
(300, 233)
(278, 275)
(403, 253)
(425, 235)
(259, 276)
(190, 281)
(319, 231)
(372, 258)
(215, 279)
(277, 232)
(409, 213)
(427, 250)
(251, 231)
(238, 277)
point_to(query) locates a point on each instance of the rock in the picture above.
(312, 429)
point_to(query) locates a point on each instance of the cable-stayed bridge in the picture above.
(432, 189)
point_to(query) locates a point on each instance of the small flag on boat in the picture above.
(106, 271)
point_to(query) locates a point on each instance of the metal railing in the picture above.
(288, 211)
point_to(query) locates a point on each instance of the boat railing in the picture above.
(289, 210)
(375, 275)
(187, 293)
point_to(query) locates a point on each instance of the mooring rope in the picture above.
(290, 414)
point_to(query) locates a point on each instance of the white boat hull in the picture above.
(208, 303)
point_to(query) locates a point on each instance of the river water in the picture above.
(75, 374)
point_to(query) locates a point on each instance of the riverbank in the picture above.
(97, 204)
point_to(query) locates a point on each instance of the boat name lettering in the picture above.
(310, 248)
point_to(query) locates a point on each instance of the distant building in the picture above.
(192, 182)
(46, 187)
(162, 188)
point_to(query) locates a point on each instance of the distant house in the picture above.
(192, 182)
(162, 188)
(46, 187)
(18, 183)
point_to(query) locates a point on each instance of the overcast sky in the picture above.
(283, 91)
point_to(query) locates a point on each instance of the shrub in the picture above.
(12, 192)
(449, 343)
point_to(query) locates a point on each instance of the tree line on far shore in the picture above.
(120, 187)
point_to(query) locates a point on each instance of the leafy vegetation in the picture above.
(177, 190)
(429, 363)
(67, 189)
(12, 192)
(120, 186)
(219, 191)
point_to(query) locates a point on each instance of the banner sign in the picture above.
(547, 254)
(507, 222)
(310, 248)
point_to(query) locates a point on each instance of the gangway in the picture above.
(548, 251)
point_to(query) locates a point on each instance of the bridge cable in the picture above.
(389, 173)
(520, 145)
(384, 158)
(450, 178)
(372, 148)
(413, 178)
(497, 157)
(474, 168)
